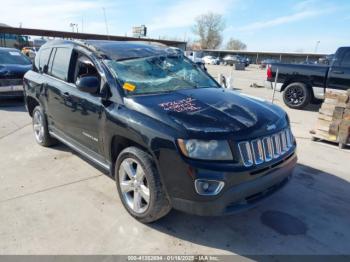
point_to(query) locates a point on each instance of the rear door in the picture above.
(339, 72)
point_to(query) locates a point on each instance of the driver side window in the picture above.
(84, 67)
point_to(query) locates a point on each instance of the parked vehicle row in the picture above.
(212, 60)
(305, 84)
(163, 127)
(235, 59)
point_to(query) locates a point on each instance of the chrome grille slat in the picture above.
(267, 146)
(276, 145)
(283, 142)
(257, 151)
(260, 150)
(246, 153)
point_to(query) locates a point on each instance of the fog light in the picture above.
(208, 187)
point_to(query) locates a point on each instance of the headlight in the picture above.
(206, 150)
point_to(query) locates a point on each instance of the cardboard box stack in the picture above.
(333, 123)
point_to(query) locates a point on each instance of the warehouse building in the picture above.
(256, 56)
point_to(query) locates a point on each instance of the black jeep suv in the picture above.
(163, 128)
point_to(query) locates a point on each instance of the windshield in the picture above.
(158, 74)
(13, 57)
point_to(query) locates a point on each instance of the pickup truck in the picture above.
(160, 125)
(304, 84)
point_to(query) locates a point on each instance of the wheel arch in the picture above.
(118, 143)
(31, 103)
(300, 79)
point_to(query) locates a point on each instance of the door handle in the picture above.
(338, 72)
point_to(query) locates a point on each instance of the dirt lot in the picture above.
(54, 202)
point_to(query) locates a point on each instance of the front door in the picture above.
(84, 122)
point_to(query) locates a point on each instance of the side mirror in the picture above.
(88, 84)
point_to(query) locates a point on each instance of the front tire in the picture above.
(41, 131)
(297, 95)
(139, 186)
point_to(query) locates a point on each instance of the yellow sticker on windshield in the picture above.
(129, 87)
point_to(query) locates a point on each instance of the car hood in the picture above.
(211, 110)
(8, 70)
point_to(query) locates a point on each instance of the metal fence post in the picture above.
(274, 87)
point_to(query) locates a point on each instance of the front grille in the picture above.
(265, 149)
(11, 82)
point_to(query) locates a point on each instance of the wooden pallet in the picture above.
(316, 135)
(333, 123)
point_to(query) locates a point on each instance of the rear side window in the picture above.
(43, 58)
(60, 64)
(346, 59)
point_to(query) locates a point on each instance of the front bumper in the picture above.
(11, 87)
(241, 196)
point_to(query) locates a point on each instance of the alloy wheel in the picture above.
(133, 185)
(38, 126)
(295, 95)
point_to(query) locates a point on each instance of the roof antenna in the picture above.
(104, 14)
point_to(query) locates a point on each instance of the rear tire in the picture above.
(297, 95)
(41, 131)
(139, 186)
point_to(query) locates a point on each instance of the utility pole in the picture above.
(104, 14)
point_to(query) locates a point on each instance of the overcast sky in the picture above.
(263, 25)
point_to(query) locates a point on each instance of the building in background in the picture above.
(139, 31)
(13, 40)
(256, 57)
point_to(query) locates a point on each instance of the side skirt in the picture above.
(83, 150)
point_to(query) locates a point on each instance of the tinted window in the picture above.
(13, 57)
(60, 64)
(43, 58)
(346, 59)
(84, 67)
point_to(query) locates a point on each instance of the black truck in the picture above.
(160, 125)
(304, 84)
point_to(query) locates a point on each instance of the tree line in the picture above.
(209, 30)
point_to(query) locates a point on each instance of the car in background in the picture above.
(30, 52)
(212, 60)
(233, 59)
(246, 60)
(326, 60)
(13, 66)
(308, 62)
(266, 62)
(195, 56)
